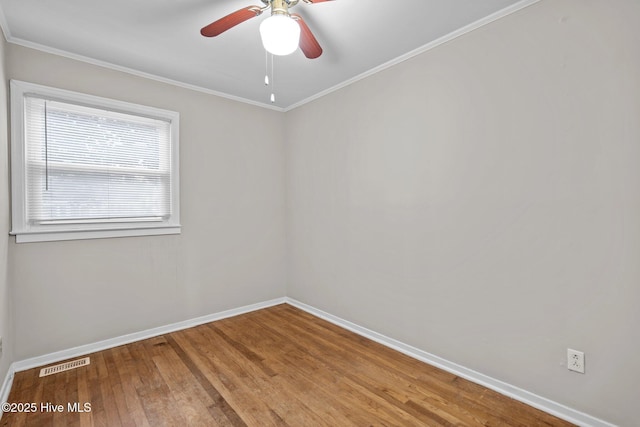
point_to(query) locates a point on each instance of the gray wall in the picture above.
(232, 248)
(481, 202)
(6, 330)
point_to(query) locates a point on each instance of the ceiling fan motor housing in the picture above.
(281, 7)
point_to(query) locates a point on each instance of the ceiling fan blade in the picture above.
(231, 20)
(308, 43)
(316, 1)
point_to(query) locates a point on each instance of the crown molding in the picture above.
(444, 39)
(132, 71)
(422, 49)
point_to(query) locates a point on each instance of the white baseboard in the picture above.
(531, 399)
(82, 350)
(544, 404)
(6, 386)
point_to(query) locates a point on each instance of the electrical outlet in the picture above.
(575, 360)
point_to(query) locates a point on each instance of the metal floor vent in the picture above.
(66, 366)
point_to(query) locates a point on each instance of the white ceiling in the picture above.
(162, 38)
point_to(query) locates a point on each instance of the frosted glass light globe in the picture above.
(280, 34)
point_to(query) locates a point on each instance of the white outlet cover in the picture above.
(575, 360)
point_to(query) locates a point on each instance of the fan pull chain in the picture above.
(266, 68)
(268, 80)
(273, 83)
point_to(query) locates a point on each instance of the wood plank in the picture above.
(159, 404)
(274, 367)
(220, 410)
(129, 380)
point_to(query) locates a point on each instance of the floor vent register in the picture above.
(66, 366)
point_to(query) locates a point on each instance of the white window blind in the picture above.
(91, 165)
(94, 167)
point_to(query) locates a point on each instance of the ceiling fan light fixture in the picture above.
(280, 34)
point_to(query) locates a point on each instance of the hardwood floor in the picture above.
(274, 367)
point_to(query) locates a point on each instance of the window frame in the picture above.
(26, 232)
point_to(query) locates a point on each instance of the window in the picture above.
(89, 167)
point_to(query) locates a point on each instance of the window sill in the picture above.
(52, 236)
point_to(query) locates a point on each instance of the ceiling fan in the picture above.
(282, 33)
